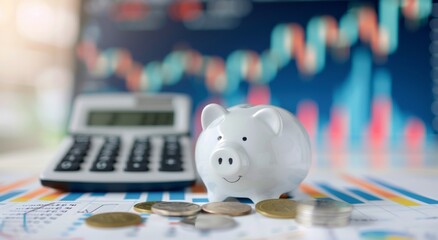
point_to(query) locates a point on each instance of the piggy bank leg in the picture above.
(291, 194)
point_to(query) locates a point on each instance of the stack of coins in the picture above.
(144, 207)
(227, 208)
(323, 212)
(175, 209)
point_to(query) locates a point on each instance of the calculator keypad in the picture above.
(75, 155)
(138, 158)
(107, 156)
(171, 155)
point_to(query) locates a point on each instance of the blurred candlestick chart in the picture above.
(354, 73)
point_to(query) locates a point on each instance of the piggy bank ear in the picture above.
(271, 118)
(210, 113)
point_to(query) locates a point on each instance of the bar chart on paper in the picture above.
(384, 205)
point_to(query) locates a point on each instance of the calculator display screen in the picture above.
(129, 118)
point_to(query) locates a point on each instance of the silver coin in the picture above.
(323, 212)
(227, 208)
(175, 208)
(210, 221)
(324, 206)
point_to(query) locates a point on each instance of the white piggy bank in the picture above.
(257, 152)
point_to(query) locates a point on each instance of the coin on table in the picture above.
(210, 221)
(277, 208)
(324, 206)
(323, 212)
(227, 208)
(113, 219)
(144, 207)
(175, 208)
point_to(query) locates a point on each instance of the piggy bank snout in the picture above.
(229, 160)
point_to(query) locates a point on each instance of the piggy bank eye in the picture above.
(244, 138)
(219, 138)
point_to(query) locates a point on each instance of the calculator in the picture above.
(125, 142)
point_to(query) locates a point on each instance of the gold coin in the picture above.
(227, 208)
(175, 208)
(277, 208)
(113, 219)
(144, 207)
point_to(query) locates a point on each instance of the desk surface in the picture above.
(396, 204)
(30, 161)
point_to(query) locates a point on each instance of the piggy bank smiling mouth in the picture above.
(232, 181)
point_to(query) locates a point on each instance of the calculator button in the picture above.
(139, 159)
(140, 151)
(171, 165)
(171, 145)
(171, 161)
(109, 153)
(171, 138)
(112, 139)
(82, 139)
(171, 158)
(102, 166)
(106, 159)
(67, 166)
(142, 145)
(110, 149)
(171, 150)
(110, 146)
(78, 151)
(83, 146)
(171, 153)
(139, 154)
(136, 167)
(142, 140)
(73, 158)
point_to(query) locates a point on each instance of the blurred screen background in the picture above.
(358, 74)
(36, 71)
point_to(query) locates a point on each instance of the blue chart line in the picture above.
(404, 192)
(132, 195)
(176, 195)
(72, 196)
(25, 227)
(98, 194)
(10, 195)
(25, 222)
(155, 196)
(92, 210)
(344, 197)
(364, 195)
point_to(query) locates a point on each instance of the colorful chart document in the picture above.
(395, 205)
